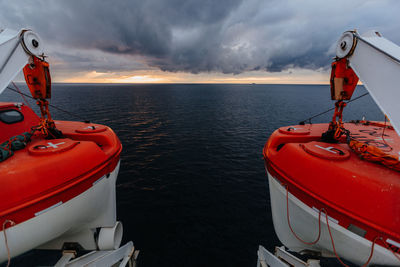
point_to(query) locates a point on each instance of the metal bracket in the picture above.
(118, 257)
(282, 258)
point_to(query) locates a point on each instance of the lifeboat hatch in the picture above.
(326, 150)
(11, 116)
(47, 147)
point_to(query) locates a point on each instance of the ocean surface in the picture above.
(192, 189)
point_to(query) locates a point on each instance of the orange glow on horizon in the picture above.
(158, 76)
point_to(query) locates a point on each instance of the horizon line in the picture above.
(182, 83)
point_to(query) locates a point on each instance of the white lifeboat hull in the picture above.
(73, 221)
(304, 222)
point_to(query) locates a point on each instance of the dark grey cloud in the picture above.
(228, 36)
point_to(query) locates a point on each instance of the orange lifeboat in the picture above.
(310, 179)
(335, 187)
(57, 177)
(70, 177)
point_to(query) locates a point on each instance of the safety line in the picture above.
(53, 106)
(19, 91)
(290, 227)
(324, 112)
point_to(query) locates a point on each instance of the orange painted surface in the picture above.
(332, 176)
(46, 172)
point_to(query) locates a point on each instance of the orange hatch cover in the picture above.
(326, 151)
(47, 147)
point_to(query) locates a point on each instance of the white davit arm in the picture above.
(16, 47)
(376, 61)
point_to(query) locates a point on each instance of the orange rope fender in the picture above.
(377, 123)
(374, 154)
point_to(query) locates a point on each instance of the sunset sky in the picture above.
(196, 41)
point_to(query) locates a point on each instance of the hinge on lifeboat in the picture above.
(38, 79)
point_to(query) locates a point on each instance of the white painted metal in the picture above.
(73, 221)
(345, 44)
(281, 253)
(12, 56)
(66, 257)
(16, 47)
(266, 258)
(376, 61)
(32, 43)
(105, 258)
(281, 258)
(110, 237)
(304, 221)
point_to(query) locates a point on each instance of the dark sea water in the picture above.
(192, 189)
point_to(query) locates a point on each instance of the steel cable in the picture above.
(53, 106)
(326, 111)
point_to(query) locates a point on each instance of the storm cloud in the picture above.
(227, 36)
